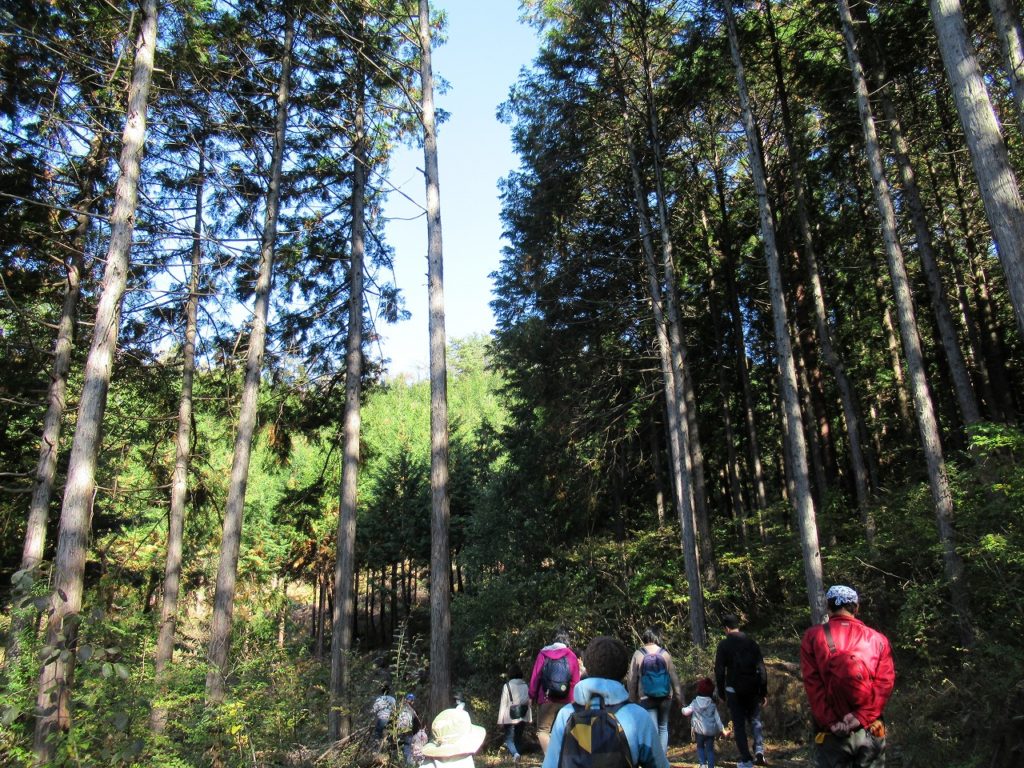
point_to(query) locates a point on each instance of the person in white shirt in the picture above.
(514, 711)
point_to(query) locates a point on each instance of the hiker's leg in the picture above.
(545, 721)
(738, 712)
(757, 728)
(833, 751)
(662, 722)
(510, 740)
(653, 714)
(706, 750)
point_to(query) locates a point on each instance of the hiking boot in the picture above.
(759, 759)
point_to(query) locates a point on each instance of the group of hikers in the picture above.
(610, 706)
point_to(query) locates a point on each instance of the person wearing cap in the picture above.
(741, 674)
(849, 727)
(705, 722)
(453, 740)
(607, 660)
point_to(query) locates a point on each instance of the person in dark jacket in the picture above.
(740, 672)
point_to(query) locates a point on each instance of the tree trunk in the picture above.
(231, 537)
(1006, 18)
(182, 457)
(998, 184)
(659, 485)
(812, 437)
(56, 400)
(440, 556)
(963, 388)
(927, 423)
(678, 428)
(796, 448)
(282, 617)
(731, 463)
(992, 336)
(394, 597)
(732, 294)
(702, 519)
(339, 722)
(978, 355)
(321, 603)
(852, 418)
(76, 513)
(684, 394)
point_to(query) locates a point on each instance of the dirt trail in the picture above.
(777, 755)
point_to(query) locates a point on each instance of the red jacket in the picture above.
(848, 633)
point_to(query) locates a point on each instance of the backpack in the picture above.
(555, 677)
(594, 738)
(848, 681)
(654, 678)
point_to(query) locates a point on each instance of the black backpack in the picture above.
(594, 738)
(556, 677)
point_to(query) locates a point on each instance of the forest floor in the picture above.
(777, 755)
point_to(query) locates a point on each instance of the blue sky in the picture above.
(486, 48)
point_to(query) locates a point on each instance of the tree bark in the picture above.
(56, 400)
(440, 555)
(182, 457)
(1006, 17)
(732, 463)
(963, 388)
(339, 721)
(742, 369)
(76, 513)
(231, 536)
(927, 422)
(796, 448)
(672, 385)
(684, 394)
(992, 335)
(701, 514)
(852, 418)
(998, 184)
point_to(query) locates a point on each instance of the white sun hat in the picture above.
(453, 734)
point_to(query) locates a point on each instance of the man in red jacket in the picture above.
(848, 674)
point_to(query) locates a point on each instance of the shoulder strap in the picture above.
(828, 637)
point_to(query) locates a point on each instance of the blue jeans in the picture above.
(512, 731)
(705, 750)
(659, 710)
(742, 709)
